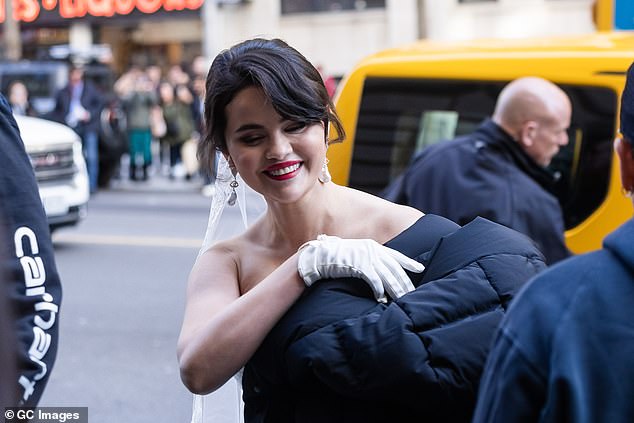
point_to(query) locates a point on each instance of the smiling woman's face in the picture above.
(279, 158)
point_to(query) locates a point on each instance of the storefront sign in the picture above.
(29, 10)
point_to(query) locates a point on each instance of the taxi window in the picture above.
(399, 117)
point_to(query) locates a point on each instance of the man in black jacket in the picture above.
(499, 171)
(27, 265)
(79, 106)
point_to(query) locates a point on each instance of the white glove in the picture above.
(381, 267)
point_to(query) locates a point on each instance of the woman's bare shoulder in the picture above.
(224, 251)
(220, 259)
(388, 219)
(369, 202)
(241, 259)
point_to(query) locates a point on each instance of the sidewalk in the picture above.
(158, 180)
(156, 183)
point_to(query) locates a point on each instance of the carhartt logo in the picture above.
(27, 251)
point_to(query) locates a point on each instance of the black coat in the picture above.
(339, 356)
(27, 268)
(485, 174)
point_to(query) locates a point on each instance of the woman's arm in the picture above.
(222, 329)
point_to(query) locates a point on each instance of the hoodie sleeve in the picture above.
(27, 264)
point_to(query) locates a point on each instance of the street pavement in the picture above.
(157, 182)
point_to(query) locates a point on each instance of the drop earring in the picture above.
(324, 176)
(233, 197)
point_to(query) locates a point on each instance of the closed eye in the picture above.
(296, 127)
(251, 139)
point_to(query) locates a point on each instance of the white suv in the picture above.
(56, 155)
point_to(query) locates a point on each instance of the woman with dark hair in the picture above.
(294, 87)
(332, 327)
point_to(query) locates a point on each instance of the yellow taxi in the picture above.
(396, 102)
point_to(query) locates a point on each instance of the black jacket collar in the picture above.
(495, 137)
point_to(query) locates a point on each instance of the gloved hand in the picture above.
(381, 267)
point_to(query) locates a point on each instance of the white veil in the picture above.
(250, 203)
(225, 404)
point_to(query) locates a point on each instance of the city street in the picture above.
(124, 272)
(501, 116)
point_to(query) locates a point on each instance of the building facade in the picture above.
(332, 33)
(338, 36)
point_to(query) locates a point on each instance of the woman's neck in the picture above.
(291, 225)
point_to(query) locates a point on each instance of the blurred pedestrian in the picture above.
(79, 106)
(199, 67)
(329, 81)
(565, 351)
(27, 268)
(177, 76)
(139, 99)
(179, 124)
(18, 97)
(499, 171)
(155, 74)
(208, 171)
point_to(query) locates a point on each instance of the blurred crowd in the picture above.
(163, 112)
(146, 123)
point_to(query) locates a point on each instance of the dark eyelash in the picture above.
(251, 139)
(297, 125)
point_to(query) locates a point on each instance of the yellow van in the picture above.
(396, 102)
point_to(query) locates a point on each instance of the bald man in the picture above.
(499, 171)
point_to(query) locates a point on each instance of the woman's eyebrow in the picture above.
(248, 126)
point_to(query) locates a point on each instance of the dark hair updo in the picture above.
(292, 84)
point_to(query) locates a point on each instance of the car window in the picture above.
(42, 80)
(38, 85)
(398, 117)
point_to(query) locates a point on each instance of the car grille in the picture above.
(55, 165)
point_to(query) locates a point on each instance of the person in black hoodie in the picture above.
(499, 171)
(340, 306)
(8, 346)
(27, 265)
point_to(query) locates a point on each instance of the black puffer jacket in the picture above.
(338, 356)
